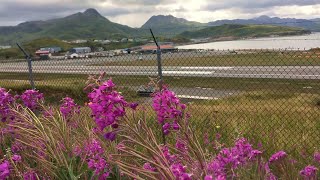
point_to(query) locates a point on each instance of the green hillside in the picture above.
(243, 31)
(170, 25)
(32, 46)
(89, 24)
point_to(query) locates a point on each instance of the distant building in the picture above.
(124, 40)
(79, 41)
(5, 47)
(152, 48)
(80, 50)
(140, 40)
(105, 42)
(51, 49)
(102, 41)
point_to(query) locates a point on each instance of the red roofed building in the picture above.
(152, 48)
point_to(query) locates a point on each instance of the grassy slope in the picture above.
(254, 59)
(239, 31)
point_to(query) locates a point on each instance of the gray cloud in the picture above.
(135, 12)
(255, 4)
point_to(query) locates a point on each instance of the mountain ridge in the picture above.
(90, 24)
(309, 24)
(237, 31)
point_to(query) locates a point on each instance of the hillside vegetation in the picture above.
(243, 31)
(170, 25)
(86, 25)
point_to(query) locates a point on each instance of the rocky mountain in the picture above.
(171, 25)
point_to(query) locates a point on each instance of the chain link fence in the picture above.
(269, 96)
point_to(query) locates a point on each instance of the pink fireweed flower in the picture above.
(31, 99)
(17, 147)
(317, 157)
(170, 158)
(147, 166)
(16, 158)
(69, 107)
(134, 106)
(110, 136)
(96, 160)
(6, 100)
(254, 154)
(309, 172)
(278, 156)
(4, 169)
(107, 105)
(181, 146)
(232, 158)
(179, 171)
(30, 175)
(168, 108)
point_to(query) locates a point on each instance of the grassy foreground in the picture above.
(281, 114)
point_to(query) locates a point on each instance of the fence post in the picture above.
(158, 60)
(160, 75)
(29, 60)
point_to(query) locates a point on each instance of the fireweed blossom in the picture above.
(317, 157)
(235, 157)
(168, 108)
(16, 158)
(278, 156)
(4, 169)
(147, 166)
(107, 106)
(30, 175)
(179, 171)
(176, 166)
(6, 99)
(69, 107)
(31, 99)
(309, 172)
(95, 159)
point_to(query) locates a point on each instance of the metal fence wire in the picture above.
(268, 96)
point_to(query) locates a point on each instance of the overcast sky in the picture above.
(136, 12)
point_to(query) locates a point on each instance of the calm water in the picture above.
(289, 42)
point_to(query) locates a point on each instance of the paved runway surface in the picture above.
(84, 66)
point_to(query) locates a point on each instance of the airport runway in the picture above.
(91, 66)
(278, 72)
